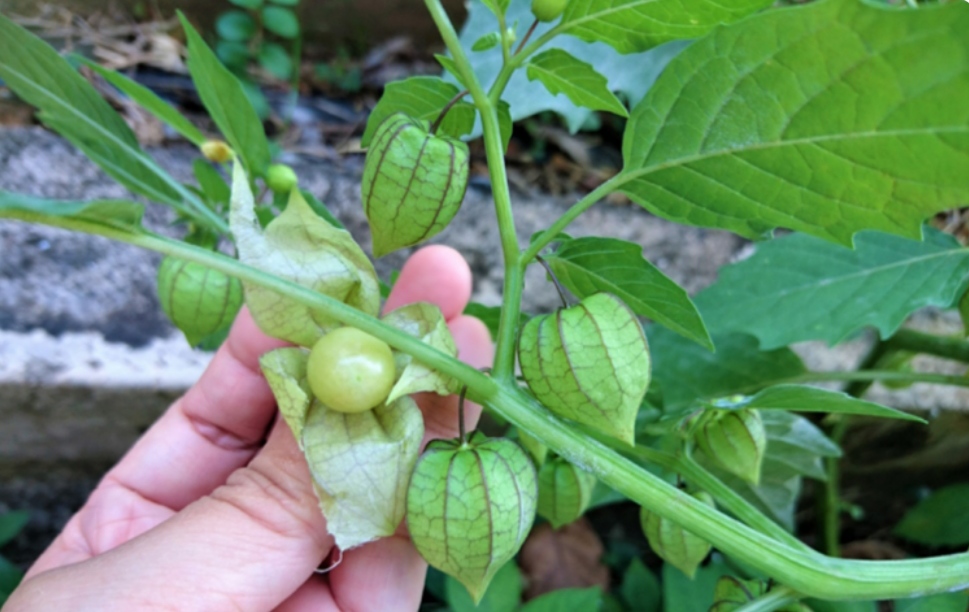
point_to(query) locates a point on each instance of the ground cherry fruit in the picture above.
(350, 371)
(548, 10)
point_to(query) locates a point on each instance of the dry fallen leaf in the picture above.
(570, 557)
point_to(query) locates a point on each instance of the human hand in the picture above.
(208, 512)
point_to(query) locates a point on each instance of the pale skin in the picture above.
(213, 509)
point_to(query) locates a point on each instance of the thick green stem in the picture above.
(727, 498)
(807, 572)
(774, 599)
(504, 366)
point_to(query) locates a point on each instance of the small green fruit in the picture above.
(350, 371)
(564, 491)
(548, 10)
(280, 178)
(470, 507)
(589, 363)
(675, 545)
(200, 301)
(735, 440)
(413, 183)
(216, 151)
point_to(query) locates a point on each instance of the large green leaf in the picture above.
(421, 98)
(148, 100)
(12, 523)
(686, 371)
(561, 72)
(590, 265)
(828, 118)
(800, 288)
(225, 99)
(941, 519)
(802, 398)
(944, 602)
(566, 600)
(632, 75)
(116, 213)
(637, 25)
(73, 108)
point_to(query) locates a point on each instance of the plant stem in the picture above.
(447, 108)
(528, 34)
(555, 281)
(913, 341)
(807, 572)
(570, 215)
(504, 365)
(698, 476)
(776, 598)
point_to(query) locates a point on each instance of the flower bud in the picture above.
(470, 507)
(589, 363)
(675, 545)
(564, 491)
(280, 178)
(216, 151)
(735, 440)
(200, 301)
(413, 183)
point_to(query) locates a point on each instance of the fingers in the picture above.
(248, 546)
(435, 274)
(214, 429)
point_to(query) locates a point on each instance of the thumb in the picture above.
(248, 546)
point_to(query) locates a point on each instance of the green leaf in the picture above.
(235, 26)
(286, 2)
(772, 123)
(561, 73)
(10, 577)
(488, 41)
(425, 322)
(235, 55)
(276, 60)
(680, 593)
(70, 106)
(800, 288)
(450, 66)
(941, 519)
(498, 7)
(503, 594)
(11, 524)
(148, 100)
(566, 600)
(686, 371)
(944, 602)
(590, 265)
(505, 124)
(285, 371)
(223, 96)
(361, 464)
(637, 25)
(280, 21)
(247, 4)
(632, 75)
(421, 98)
(640, 588)
(211, 182)
(801, 398)
(115, 213)
(301, 247)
